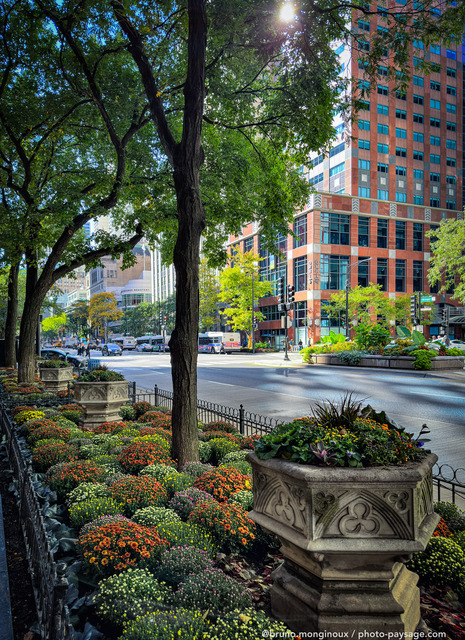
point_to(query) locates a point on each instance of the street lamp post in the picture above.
(253, 319)
(347, 291)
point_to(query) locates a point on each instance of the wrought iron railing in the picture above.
(449, 484)
(48, 584)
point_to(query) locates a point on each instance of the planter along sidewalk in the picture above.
(101, 400)
(346, 534)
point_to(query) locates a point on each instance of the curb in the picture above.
(6, 621)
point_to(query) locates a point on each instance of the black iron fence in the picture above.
(449, 484)
(50, 587)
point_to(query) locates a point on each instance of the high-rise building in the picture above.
(390, 176)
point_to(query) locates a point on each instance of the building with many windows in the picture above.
(390, 177)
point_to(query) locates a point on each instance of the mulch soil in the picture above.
(440, 609)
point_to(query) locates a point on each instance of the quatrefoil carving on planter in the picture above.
(360, 520)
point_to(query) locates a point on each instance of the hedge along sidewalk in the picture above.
(6, 621)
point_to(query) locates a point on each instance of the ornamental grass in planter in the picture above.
(349, 494)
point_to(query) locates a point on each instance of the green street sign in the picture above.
(428, 298)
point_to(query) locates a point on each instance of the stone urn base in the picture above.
(56, 379)
(345, 534)
(101, 401)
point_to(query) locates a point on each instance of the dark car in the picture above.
(50, 353)
(111, 350)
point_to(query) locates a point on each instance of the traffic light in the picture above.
(166, 319)
(281, 291)
(414, 308)
(255, 322)
(445, 316)
(290, 293)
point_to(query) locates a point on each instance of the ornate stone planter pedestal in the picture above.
(56, 379)
(101, 401)
(346, 534)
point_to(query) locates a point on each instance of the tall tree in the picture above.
(78, 316)
(240, 289)
(209, 286)
(54, 325)
(103, 309)
(447, 266)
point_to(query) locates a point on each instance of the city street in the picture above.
(266, 384)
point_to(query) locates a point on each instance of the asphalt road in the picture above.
(268, 385)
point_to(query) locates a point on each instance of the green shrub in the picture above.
(448, 510)
(102, 375)
(351, 358)
(73, 415)
(246, 624)
(89, 451)
(187, 534)
(212, 590)
(177, 563)
(241, 465)
(84, 511)
(182, 624)
(176, 482)
(243, 498)
(197, 469)
(236, 456)
(459, 538)
(129, 595)
(442, 563)
(158, 471)
(183, 502)
(220, 447)
(127, 412)
(205, 451)
(153, 516)
(423, 358)
(86, 491)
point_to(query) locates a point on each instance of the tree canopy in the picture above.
(103, 309)
(447, 266)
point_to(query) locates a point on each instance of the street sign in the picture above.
(425, 309)
(428, 299)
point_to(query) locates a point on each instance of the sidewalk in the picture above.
(6, 624)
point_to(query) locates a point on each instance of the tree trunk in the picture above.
(187, 160)
(28, 331)
(11, 317)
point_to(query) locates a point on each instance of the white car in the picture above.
(457, 344)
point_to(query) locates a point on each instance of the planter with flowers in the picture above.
(349, 494)
(101, 393)
(55, 374)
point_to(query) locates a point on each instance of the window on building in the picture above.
(418, 99)
(300, 230)
(382, 273)
(339, 50)
(417, 238)
(248, 244)
(382, 233)
(316, 179)
(335, 228)
(401, 113)
(339, 168)
(451, 204)
(363, 231)
(400, 95)
(383, 128)
(434, 202)
(382, 109)
(401, 133)
(451, 162)
(364, 164)
(418, 174)
(452, 91)
(334, 272)
(418, 200)
(401, 197)
(435, 177)
(418, 137)
(337, 149)
(451, 144)
(383, 148)
(383, 194)
(400, 234)
(452, 73)
(363, 274)
(383, 71)
(418, 117)
(364, 192)
(451, 180)
(383, 168)
(452, 55)
(451, 126)
(435, 141)
(401, 171)
(383, 90)
(364, 26)
(435, 122)
(434, 104)
(419, 81)
(300, 273)
(363, 45)
(364, 124)
(401, 152)
(417, 61)
(435, 86)
(451, 108)
(364, 105)
(364, 144)
(417, 275)
(436, 49)
(400, 275)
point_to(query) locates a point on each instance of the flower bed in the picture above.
(129, 559)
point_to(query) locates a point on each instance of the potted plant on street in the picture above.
(349, 494)
(101, 393)
(55, 374)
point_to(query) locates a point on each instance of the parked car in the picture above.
(111, 350)
(78, 362)
(144, 347)
(457, 344)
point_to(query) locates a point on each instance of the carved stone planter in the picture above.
(346, 534)
(56, 379)
(101, 400)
